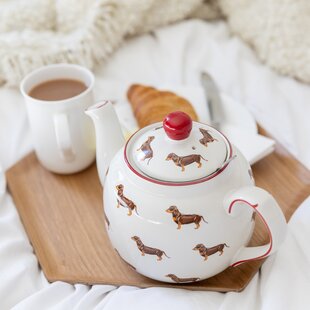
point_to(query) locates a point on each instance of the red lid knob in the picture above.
(177, 125)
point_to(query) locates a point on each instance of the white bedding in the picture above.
(174, 54)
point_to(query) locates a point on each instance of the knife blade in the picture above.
(213, 100)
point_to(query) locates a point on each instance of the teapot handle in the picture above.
(269, 211)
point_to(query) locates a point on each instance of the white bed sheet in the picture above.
(174, 54)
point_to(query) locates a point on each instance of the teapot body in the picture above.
(176, 233)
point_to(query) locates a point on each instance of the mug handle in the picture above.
(268, 210)
(63, 137)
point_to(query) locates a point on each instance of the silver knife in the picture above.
(213, 100)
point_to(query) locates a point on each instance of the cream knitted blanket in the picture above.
(38, 32)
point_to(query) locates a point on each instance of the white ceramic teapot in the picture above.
(179, 198)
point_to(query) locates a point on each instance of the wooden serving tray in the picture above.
(63, 218)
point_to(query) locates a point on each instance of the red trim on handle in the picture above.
(254, 206)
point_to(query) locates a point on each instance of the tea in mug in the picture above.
(58, 89)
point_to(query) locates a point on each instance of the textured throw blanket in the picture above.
(38, 32)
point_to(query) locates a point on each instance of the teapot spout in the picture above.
(109, 136)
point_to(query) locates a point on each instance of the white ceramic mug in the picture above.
(63, 135)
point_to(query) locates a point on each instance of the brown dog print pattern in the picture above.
(147, 149)
(207, 138)
(125, 202)
(176, 279)
(182, 219)
(182, 161)
(148, 250)
(206, 252)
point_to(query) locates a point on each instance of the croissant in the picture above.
(151, 105)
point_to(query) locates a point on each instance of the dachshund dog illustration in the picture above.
(205, 252)
(182, 219)
(253, 216)
(182, 161)
(124, 201)
(176, 279)
(148, 250)
(207, 138)
(146, 149)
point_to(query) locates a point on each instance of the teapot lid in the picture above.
(177, 151)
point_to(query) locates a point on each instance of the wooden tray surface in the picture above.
(63, 218)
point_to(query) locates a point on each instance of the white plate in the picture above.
(235, 114)
(238, 124)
